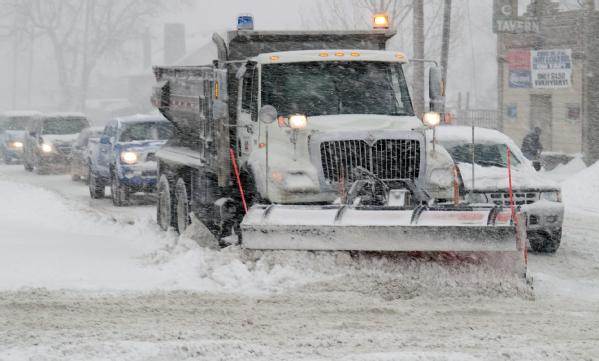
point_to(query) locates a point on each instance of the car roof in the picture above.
(463, 134)
(140, 118)
(63, 115)
(20, 113)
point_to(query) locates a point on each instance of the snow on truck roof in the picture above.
(331, 55)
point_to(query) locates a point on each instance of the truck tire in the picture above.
(164, 207)
(96, 187)
(182, 206)
(118, 192)
(545, 242)
(28, 167)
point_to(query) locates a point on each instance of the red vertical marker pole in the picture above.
(513, 208)
(236, 170)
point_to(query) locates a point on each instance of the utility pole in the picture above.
(418, 81)
(84, 65)
(445, 45)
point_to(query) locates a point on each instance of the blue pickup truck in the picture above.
(125, 157)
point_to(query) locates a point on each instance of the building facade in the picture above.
(547, 79)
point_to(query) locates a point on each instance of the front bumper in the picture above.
(142, 177)
(544, 216)
(13, 154)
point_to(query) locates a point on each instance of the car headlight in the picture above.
(16, 144)
(298, 121)
(46, 148)
(129, 157)
(476, 198)
(554, 196)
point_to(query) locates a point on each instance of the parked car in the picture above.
(49, 141)
(82, 151)
(539, 197)
(125, 157)
(12, 134)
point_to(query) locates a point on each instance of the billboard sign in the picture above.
(551, 68)
(519, 68)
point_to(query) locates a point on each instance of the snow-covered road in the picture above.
(81, 280)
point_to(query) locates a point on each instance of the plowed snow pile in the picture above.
(54, 243)
(581, 191)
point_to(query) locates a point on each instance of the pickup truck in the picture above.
(125, 157)
(12, 134)
(49, 141)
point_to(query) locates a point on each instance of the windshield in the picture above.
(486, 155)
(330, 88)
(14, 123)
(56, 126)
(146, 131)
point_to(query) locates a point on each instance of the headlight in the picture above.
(46, 148)
(298, 121)
(16, 145)
(476, 198)
(554, 196)
(431, 119)
(129, 157)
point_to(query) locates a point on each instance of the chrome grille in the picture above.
(388, 159)
(520, 198)
(65, 149)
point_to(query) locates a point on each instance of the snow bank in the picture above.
(581, 190)
(48, 241)
(564, 171)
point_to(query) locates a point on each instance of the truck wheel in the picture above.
(118, 192)
(182, 207)
(28, 167)
(544, 242)
(164, 208)
(96, 188)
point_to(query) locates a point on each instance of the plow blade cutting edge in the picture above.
(345, 228)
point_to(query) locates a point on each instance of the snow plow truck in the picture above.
(308, 141)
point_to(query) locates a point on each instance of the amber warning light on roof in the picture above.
(380, 21)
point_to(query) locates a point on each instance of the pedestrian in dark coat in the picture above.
(531, 145)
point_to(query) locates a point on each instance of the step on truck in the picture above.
(309, 141)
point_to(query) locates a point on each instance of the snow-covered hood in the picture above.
(60, 138)
(12, 135)
(352, 122)
(492, 179)
(142, 146)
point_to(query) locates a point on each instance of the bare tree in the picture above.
(80, 33)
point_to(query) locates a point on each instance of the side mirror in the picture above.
(435, 90)
(267, 114)
(536, 164)
(104, 139)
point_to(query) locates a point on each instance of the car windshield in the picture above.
(336, 87)
(486, 155)
(14, 123)
(146, 131)
(56, 126)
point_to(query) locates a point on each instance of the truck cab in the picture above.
(336, 110)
